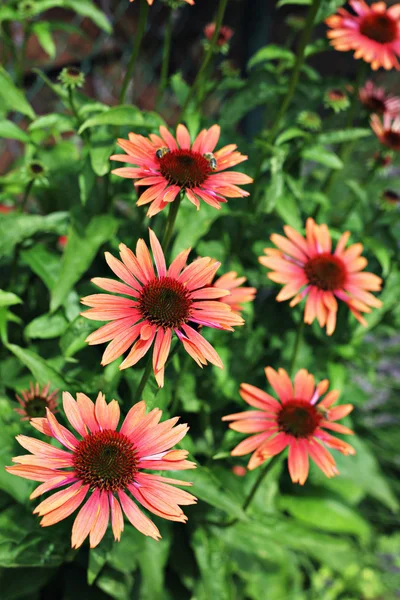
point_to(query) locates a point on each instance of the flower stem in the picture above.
(345, 148)
(207, 56)
(297, 342)
(144, 380)
(25, 197)
(294, 79)
(173, 211)
(165, 59)
(252, 493)
(143, 10)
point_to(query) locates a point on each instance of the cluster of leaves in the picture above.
(331, 540)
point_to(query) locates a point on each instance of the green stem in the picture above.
(25, 197)
(297, 342)
(173, 211)
(143, 10)
(252, 493)
(294, 79)
(21, 57)
(345, 149)
(207, 56)
(366, 182)
(165, 59)
(73, 106)
(145, 377)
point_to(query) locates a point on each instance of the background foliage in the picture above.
(332, 539)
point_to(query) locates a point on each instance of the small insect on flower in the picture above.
(169, 166)
(106, 467)
(34, 402)
(297, 420)
(309, 269)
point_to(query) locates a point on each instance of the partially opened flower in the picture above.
(298, 420)
(237, 295)
(387, 131)
(105, 467)
(35, 401)
(376, 100)
(159, 304)
(167, 166)
(336, 99)
(309, 269)
(224, 36)
(373, 32)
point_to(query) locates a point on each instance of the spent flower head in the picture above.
(71, 78)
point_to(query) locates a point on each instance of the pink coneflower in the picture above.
(106, 464)
(176, 300)
(224, 36)
(376, 100)
(167, 167)
(298, 421)
(388, 131)
(308, 268)
(373, 32)
(35, 402)
(238, 295)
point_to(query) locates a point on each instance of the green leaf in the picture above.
(98, 557)
(118, 115)
(46, 327)
(24, 544)
(11, 98)
(208, 488)
(211, 558)
(53, 121)
(74, 337)
(180, 88)
(88, 9)
(101, 148)
(8, 298)
(15, 228)
(288, 209)
(42, 30)
(11, 131)
(342, 518)
(270, 52)
(79, 253)
(152, 559)
(38, 366)
(343, 135)
(192, 225)
(323, 156)
(290, 134)
(86, 180)
(381, 252)
(44, 263)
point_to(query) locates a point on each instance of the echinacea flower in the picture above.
(237, 295)
(373, 32)
(35, 401)
(387, 131)
(107, 465)
(71, 78)
(176, 300)
(309, 120)
(224, 36)
(297, 420)
(308, 268)
(376, 100)
(168, 166)
(337, 100)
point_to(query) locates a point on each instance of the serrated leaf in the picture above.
(11, 98)
(79, 253)
(270, 52)
(343, 135)
(89, 10)
(54, 121)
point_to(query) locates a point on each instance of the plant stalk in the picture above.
(207, 56)
(169, 227)
(296, 347)
(165, 58)
(143, 11)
